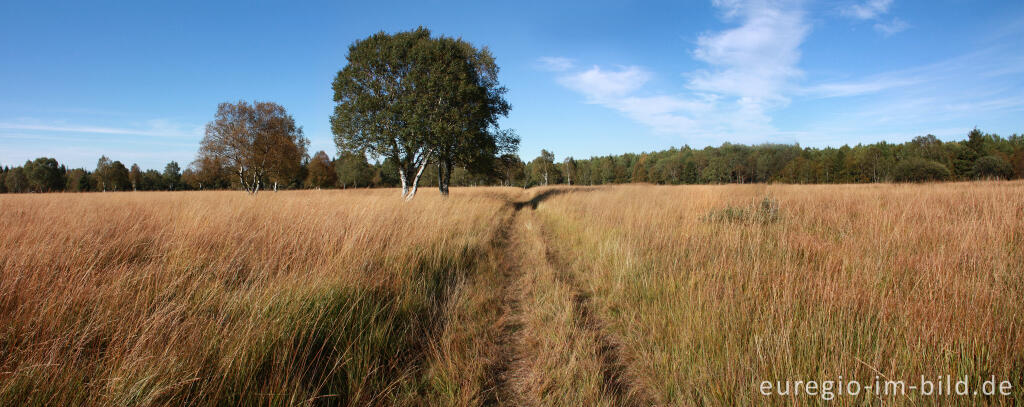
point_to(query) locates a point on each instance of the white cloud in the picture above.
(964, 71)
(78, 145)
(867, 86)
(154, 128)
(601, 86)
(556, 64)
(875, 10)
(750, 70)
(752, 73)
(892, 27)
(755, 60)
(981, 88)
(868, 10)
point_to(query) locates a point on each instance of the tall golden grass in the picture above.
(708, 295)
(222, 298)
(615, 295)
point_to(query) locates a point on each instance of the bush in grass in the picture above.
(765, 211)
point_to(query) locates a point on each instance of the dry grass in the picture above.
(608, 296)
(222, 298)
(851, 281)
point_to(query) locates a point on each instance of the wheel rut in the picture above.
(504, 384)
(614, 373)
(500, 387)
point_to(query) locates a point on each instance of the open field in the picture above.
(618, 295)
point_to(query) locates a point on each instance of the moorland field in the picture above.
(611, 295)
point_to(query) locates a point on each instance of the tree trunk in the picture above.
(416, 182)
(405, 182)
(444, 177)
(257, 179)
(241, 180)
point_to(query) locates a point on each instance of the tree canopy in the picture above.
(412, 98)
(257, 141)
(320, 171)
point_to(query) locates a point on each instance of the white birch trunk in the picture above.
(405, 183)
(416, 181)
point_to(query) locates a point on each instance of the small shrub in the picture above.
(765, 211)
(768, 211)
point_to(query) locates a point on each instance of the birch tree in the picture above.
(377, 110)
(462, 102)
(256, 141)
(545, 163)
(414, 99)
(569, 165)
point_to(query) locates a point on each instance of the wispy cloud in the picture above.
(756, 60)
(752, 79)
(78, 144)
(865, 86)
(891, 27)
(876, 10)
(153, 128)
(556, 64)
(868, 10)
(977, 71)
(72, 139)
(749, 69)
(602, 86)
(966, 90)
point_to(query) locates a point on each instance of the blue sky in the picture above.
(137, 81)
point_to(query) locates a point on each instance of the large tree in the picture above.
(462, 101)
(410, 99)
(377, 110)
(257, 141)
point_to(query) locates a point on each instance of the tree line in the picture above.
(47, 175)
(980, 156)
(926, 158)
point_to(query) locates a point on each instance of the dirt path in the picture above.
(498, 386)
(553, 349)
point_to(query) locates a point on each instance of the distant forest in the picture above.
(925, 158)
